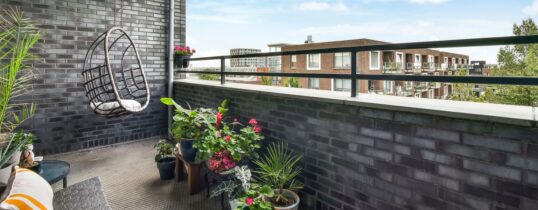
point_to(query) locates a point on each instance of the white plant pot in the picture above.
(295, 206)
(233, 204)
(5, 174)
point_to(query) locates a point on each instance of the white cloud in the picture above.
(428, 1)
(322, 6)
(531, 10)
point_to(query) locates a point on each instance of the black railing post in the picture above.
(222, 68)
(353, 73)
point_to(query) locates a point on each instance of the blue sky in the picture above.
(213, 27)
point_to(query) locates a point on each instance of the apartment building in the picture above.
(246, 62)
(418, 62)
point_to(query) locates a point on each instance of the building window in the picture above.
(387, 86)
(417, 58)
(313, 62)
(293, 63)
(374, 60)
(342, 60)
(313, 83)
(342, 85)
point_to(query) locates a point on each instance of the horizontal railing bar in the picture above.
(476, 42)
(416, 78)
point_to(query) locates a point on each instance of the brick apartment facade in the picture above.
(417, 61)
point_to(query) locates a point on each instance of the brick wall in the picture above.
(365, 158)
(64, 121)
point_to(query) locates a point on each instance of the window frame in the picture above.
(293, 64)
(378, 60)
(310, 83)
(333, 85)
(342, 66)
(308, 62)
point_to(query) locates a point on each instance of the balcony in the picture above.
(392, 68)
(388, 149)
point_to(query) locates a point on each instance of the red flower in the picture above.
(181, 49)
(219, 120)
(228, 138)
(257, 129)
(177, 47)
(253, 122)
(235, 119)
(249, 201)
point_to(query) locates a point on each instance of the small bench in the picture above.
(87, 194)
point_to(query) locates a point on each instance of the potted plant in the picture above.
(182, 55)
(225, 145)
(278, 170)
(16, 78)
(188, 126)
(165, 161)
(241, 193)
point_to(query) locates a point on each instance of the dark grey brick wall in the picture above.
(364, 158)
(64, 121)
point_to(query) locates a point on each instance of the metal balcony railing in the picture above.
(392, 68)
(354, 75)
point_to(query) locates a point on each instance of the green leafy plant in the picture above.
(15, 143)
(17, 36)
(267, 81)
(278, 169)
(164, 150)
(292, 82)
(208, 77)
(188, 123)
(248, 195)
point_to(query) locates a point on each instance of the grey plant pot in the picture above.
(5, 173)
(295, 206)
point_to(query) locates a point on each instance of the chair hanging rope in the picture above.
(114, 78)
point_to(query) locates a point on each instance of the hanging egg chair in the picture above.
(114, 78)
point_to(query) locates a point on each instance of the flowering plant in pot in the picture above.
(188, 126)
(227, 144)
(165, 161)
(182, 54)
(243, 194)
(278, 170)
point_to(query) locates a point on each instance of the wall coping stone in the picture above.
(500, 113)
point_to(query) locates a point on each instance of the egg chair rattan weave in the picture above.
(114, 78)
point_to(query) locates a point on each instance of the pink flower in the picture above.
(219, 120)
(253, 122)
(257, 129)
(181, 49)
(235, 119)
(177, 47)
(228, 138)
(249, 201)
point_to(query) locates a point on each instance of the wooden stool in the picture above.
(193, 173)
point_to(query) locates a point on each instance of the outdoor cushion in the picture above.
(87, 194)
(108, 107)
(27, 190)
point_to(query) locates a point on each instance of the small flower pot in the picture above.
(181, 61)
(294, 206)
(166, 168)
(187, 151)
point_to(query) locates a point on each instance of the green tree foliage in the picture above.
(464, 91)
(517, 60)
(292, 82)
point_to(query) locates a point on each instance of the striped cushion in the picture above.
(28, 191)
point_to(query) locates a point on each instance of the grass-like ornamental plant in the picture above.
(17, 36)
(278, 169)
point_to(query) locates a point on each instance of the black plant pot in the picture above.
(166, 168)
(181, 61)
(187, 151)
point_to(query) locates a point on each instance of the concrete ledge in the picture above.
(508, 114)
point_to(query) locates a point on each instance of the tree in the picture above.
(464, 91)
(517, 60)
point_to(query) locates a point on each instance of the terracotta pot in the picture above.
(294, 206)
